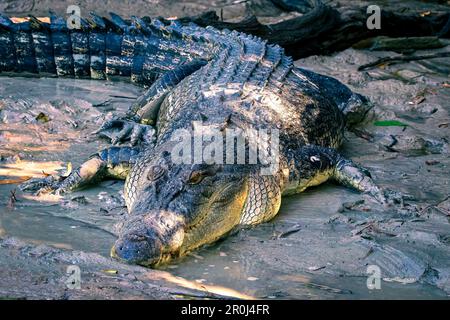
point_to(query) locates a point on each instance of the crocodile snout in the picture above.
(137, 250)
(150, 238)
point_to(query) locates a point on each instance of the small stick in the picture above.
(12, 199)
(399, 59)
(434, 206)
(123, 97)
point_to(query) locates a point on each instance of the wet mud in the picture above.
(319, 246)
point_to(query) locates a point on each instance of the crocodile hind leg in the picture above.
(313, 165)
(142, 115)
(146, 108)
(113, 162)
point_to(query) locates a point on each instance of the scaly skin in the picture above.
(219, 79)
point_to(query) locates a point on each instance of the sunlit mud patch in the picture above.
(32, 139)
(29, 169)
(21, 171)
(59, 245)
(45, 125)
(46, 197)
(209, 291)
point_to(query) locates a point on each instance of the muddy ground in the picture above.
(319, 246)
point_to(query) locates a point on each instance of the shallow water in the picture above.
(324, 258)
(233, 262)
(50, 225)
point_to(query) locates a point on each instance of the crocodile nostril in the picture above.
(137, 248)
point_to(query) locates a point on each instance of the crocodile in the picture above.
(197, 81)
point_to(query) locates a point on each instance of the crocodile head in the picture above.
(175, 208)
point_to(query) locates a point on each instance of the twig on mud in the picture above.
(123, 97)
(371, 226)
(369, 252)
(435, 206)
(399, 59)
(327, 288)
(202, 295)
(196, 256)
(363, 134)
(102, 104)
(12, 199)
(358, 231)
(287, 233)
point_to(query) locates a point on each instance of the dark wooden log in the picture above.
(325, 29)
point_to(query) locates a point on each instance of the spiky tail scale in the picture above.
(101, 48)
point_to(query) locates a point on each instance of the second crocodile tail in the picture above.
(99, 48)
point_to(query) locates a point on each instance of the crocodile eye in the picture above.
(155, 173)
(196, 177)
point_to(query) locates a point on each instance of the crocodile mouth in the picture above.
(149, 239)
(154, 263)
(151, 261)
(159, 236)
(217, 201)
(223, 213)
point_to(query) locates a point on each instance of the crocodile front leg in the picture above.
(143, 114)
(313, 165)
(129, 129)
(113, 162)
(146, 108)
(309, 166)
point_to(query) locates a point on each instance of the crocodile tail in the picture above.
(98, 48)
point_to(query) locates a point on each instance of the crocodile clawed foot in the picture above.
(128, 130)
(390, 198)
(49, 184)
(396, 198)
